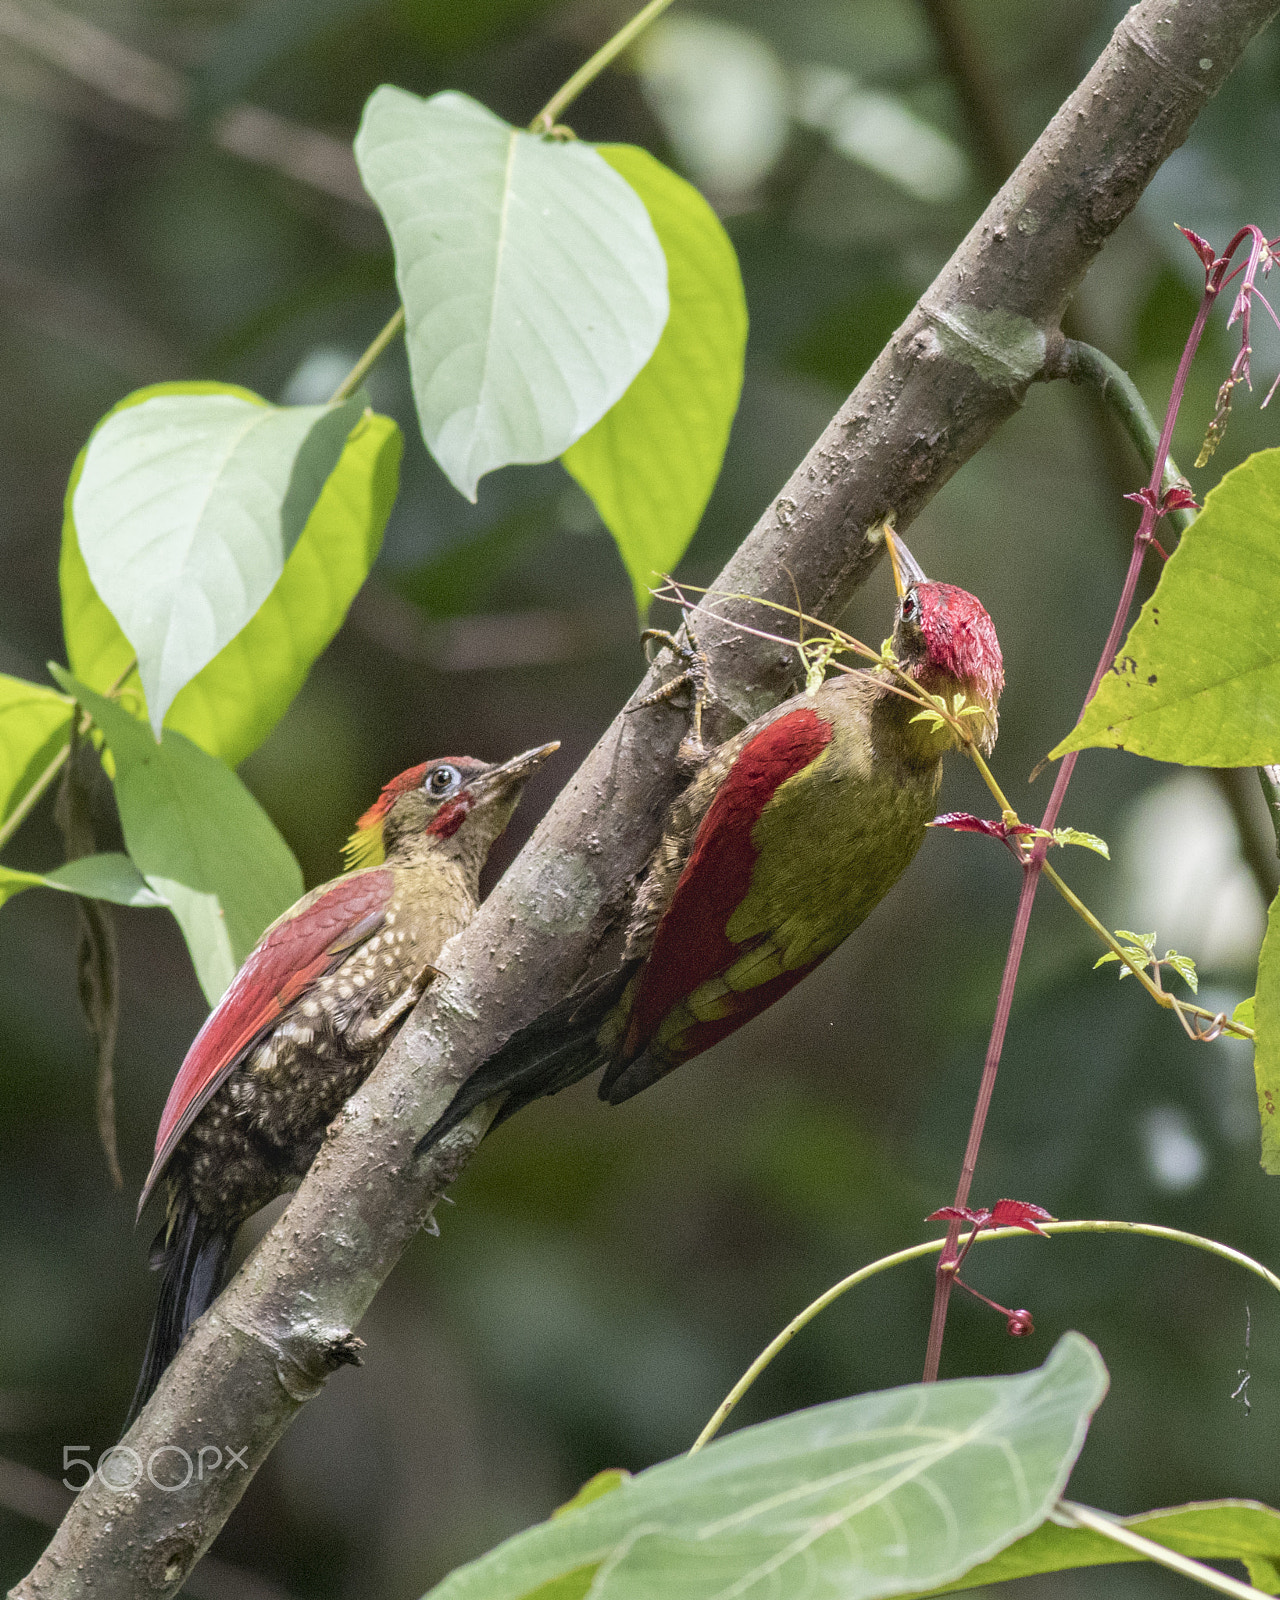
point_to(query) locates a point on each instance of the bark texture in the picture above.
(954, 371)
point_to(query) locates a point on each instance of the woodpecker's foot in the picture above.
(696, 678)
(375, 1028)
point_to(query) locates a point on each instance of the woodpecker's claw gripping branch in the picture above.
(694, 676)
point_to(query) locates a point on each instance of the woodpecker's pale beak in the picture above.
(511, 774)
(906, 569)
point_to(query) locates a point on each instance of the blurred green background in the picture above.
(177, 200)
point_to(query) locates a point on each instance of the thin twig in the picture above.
(915, 1252)
(591, 69)
(354, 378)
(1083, 364)
(1099, 1522)
(1034, 862)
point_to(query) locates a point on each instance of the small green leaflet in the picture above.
(186, 509)
(1185, 967)
(198, 837)
(1198, 679)
(232, 703)
(651, 462)
(879, 1495)
(1141, 950)
(1088, 841)
(534, 285)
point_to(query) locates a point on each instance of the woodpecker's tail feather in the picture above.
(545, 1056)
(194, 1263)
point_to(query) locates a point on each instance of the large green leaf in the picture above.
(1213, 1530)
(1198, 679)
(110, 876)
(34, 722)
(651, 462)
(233, 703)
(186, 509)
(198, 837)
(533, 283)
(1266, 1046)
(878, 1495)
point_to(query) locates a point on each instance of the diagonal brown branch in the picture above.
(956, 369)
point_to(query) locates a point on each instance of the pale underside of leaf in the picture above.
(850, 1501)
(232, 703)
(533, 283)
(186, 510)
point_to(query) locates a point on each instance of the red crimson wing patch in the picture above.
(290, 956)
(691, 944)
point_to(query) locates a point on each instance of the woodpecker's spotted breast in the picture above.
(260, 1130)
(308, 1017)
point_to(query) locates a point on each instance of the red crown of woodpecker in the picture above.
(961, 642)
(961, 646)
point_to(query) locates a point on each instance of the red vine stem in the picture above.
(1216, 279)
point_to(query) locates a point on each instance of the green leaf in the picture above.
(1243, 1013)
(1088, 841)
(877, 1495)
(1266, 1047)
(34, 723)
(1213, 1530)
(651, 462)
(186, 509)
(1139, 957)
(1198, 679)
(233, 703)
(1185, 967)
(110, 876)
(533, 283)
(198, 837)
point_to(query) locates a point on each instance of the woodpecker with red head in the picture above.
(788, 837)
(308, 1017)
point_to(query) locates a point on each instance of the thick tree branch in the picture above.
(955, 370)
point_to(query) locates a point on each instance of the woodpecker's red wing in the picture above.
(691, 944)
(294, 953)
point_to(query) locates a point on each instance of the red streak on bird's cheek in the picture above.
(450, 817)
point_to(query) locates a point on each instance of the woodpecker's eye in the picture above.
(443, 781)
(910, 606)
